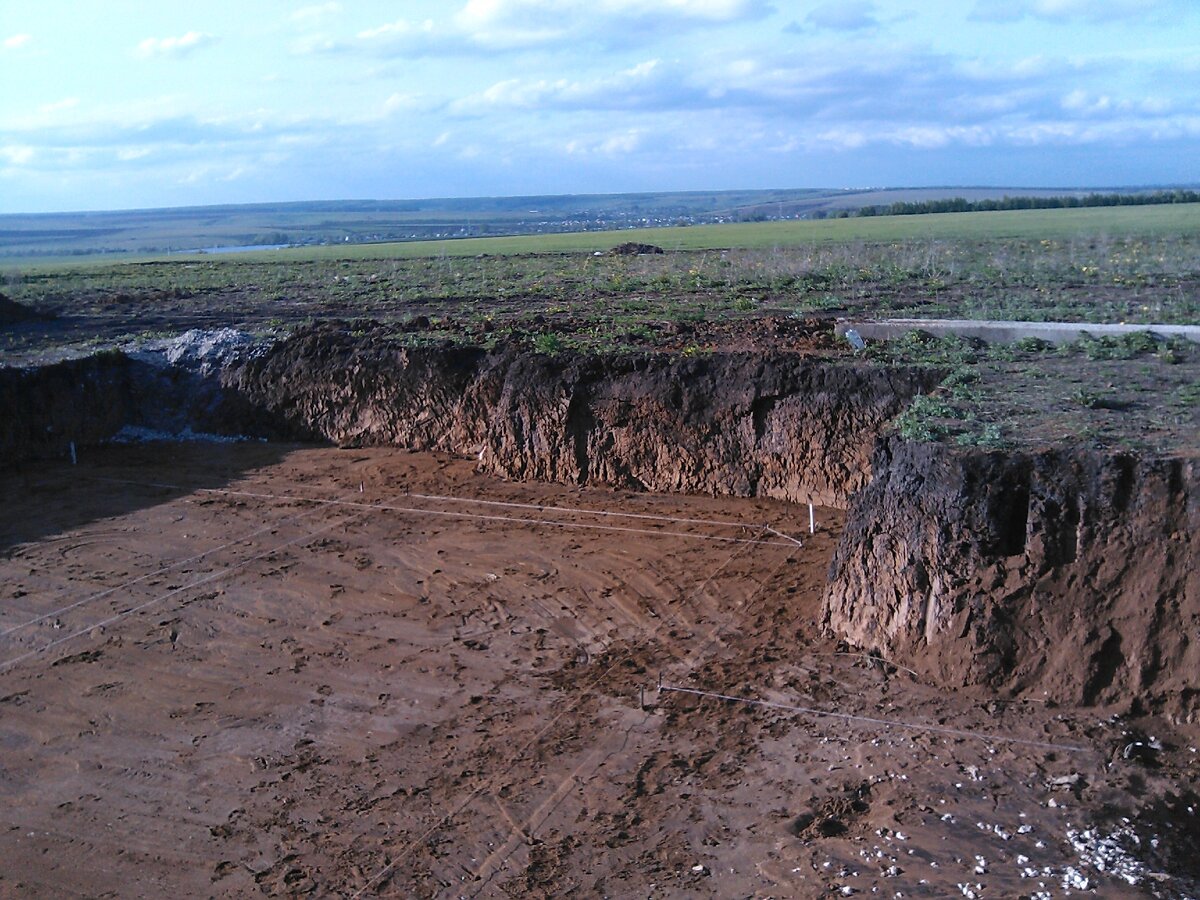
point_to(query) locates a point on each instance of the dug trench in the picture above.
(1067, 574)
(1041, 583)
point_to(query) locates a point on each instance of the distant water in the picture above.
(242, 249)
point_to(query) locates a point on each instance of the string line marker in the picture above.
(887, 723)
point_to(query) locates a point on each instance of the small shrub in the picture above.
(1189, 395)
(913, 429)
(110, 355)
(548, 344)
(929, 406)
(1033, 345)
(817, 303)
(922, 348)
(1096, 400)
(918, 422)
(990, 437)
(1173, 350)
(1127, 346)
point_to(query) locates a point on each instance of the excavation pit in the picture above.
(252, 667)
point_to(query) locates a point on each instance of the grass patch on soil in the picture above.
(1132, 392)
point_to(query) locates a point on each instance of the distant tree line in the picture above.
(960, 204)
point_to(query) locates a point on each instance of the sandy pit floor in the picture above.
(228, 670)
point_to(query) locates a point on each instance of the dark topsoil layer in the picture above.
(12, 313)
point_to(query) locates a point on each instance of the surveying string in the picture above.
(207, 579)
(887, 723)
(489, 781)
(531, 506)
(416, 510)
(591, 512)
(167, 568)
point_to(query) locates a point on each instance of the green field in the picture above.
(358, 231)
(1182, 219)
(769, 284)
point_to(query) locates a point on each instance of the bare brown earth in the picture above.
(1068, 575)
(212, 687)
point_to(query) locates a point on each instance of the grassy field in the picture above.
(1183, 219)
(779, 284)
(123, 232)
(1054, 224)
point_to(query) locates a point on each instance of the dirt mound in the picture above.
(1067, 574)
(633, 248)
(12, 312)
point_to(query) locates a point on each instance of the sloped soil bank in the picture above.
(1066, 575)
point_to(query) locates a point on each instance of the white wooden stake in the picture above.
(812, 520)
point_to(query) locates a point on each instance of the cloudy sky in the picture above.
(115, 104)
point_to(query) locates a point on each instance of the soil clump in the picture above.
(634, 248)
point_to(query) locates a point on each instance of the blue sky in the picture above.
(120, 104)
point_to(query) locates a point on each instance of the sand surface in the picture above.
(213, 685)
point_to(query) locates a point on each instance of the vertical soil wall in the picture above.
(1067, 574)
(43, 409)
(747, 424)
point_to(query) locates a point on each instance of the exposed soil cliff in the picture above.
(1070, 574)
(88, 401)
(747, 424)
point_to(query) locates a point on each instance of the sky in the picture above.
(109, 104)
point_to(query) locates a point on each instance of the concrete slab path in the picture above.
(1003, 332)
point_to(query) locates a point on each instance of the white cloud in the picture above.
(205, 173)
(1047, 133)
(405, 102)
(1081, 101)
(174, 46)
(648, 84)
(1077, 10)
(511, 25)
(524, 23)
(621, 143)
(50, 109)
(846, 15)
(17, 154)
(317, 43)
(833, 101)
(478, 15)
(17, 41)
(307, 14)
(401, 30)
(919, 98)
